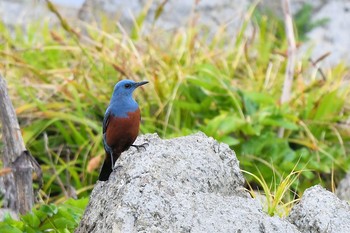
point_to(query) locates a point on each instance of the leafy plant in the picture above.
(47, 218)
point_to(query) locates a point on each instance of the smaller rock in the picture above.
(343, 190)
(320, 211)
(332, 37)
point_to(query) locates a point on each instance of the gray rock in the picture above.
(175, 13)
(296, 5)
(343, 189)
(186, 184)
(321, 211)
(334, 37)
(24, 12)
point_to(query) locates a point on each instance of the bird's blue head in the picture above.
(125, 88)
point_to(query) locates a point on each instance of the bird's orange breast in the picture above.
(122, 132)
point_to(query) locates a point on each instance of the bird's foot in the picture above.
(142, 146)
(117, 167)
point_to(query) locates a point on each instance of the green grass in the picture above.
(277, 198)
(61, 80)
(47, 218)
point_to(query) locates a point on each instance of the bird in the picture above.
(121, 124)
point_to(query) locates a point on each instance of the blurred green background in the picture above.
(61, 78)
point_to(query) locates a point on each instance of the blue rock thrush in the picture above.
(121, 124)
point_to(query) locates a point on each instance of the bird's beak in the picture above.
(141, 83)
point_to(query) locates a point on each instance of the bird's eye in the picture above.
(127, 85)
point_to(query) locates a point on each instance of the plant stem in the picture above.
(288, 80)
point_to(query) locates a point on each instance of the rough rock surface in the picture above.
(321, 211)
(186, 184)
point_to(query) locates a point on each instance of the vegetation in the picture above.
(62, 218)
(61, 80)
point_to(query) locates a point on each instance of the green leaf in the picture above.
(9, 221)
(50, 210)
(78, 203)
(249, 105)
(329, 106)
(29, 229)
(279, 121)
(260, 98)
(9, 229)
(188, 105)
(40, 214)
(229, 140)
(223, 124)
(31, 219)
(64, 223)
(204, 83)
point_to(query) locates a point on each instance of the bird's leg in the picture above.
(108, 149)
(114, 168)
(143, 146)
(112, 160)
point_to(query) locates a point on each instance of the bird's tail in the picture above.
(107, 166)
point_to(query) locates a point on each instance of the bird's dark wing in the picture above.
(106, 121)
(104, 129)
